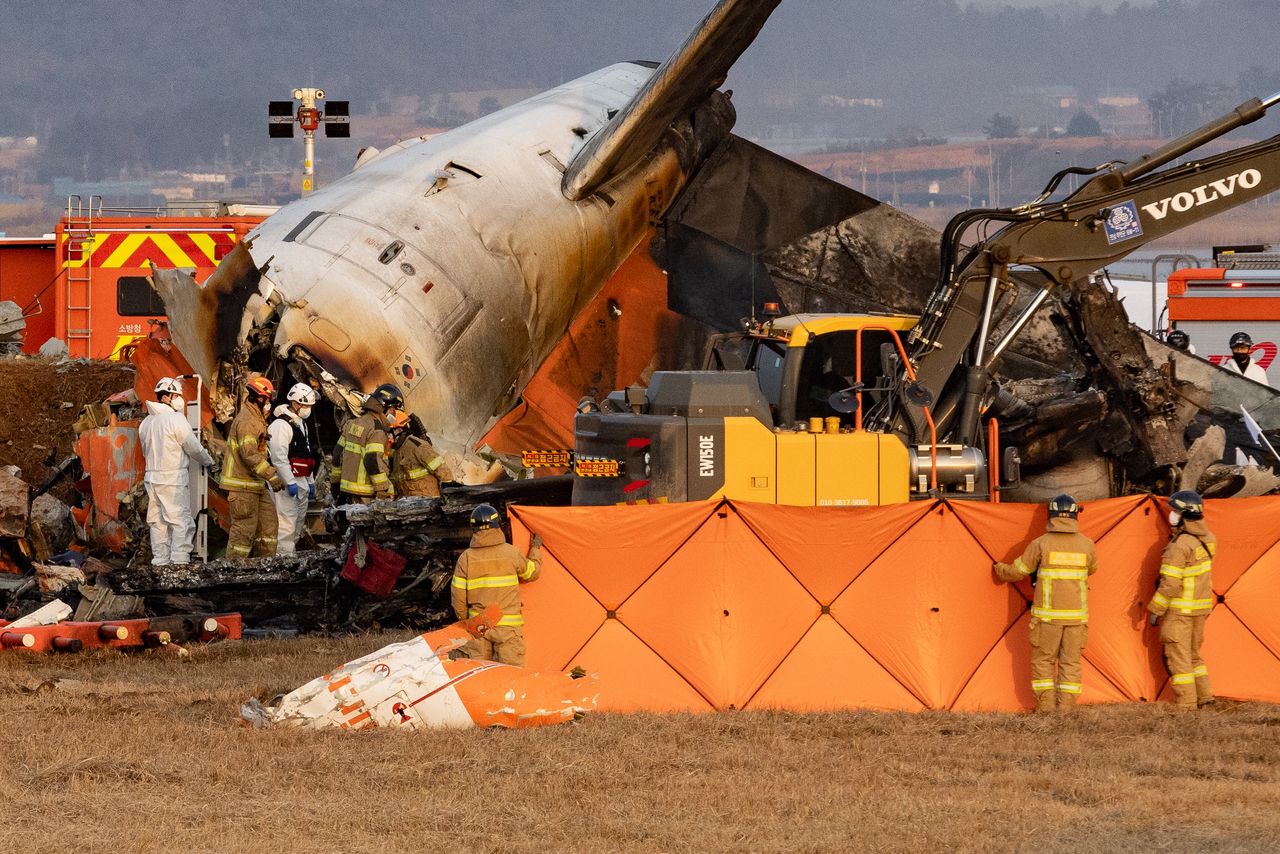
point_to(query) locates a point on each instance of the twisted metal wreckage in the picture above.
(454, 266)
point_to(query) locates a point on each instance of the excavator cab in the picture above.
(831, 366)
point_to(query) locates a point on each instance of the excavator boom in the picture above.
(1119, 210)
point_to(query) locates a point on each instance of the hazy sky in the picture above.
(1078, 4)
(142, 84)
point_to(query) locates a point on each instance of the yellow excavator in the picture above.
(856, 410)
(778, 417)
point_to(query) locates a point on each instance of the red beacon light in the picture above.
(1235, 284)
(309, 118)
(771, 310)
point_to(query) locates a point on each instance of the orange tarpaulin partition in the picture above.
(694, 607)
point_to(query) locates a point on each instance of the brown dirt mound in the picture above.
(40, 400)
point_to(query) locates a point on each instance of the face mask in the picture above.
(1175, 518)
(1242, 359)
(178, 404)
(304, 413)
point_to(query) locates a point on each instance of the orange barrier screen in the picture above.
(734, 606)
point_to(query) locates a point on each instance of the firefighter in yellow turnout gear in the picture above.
(491, 572)
(247, 474)
(417, 468)
(1060, 561)
(1184, 599)
(359, 468)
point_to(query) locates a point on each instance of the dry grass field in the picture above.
(144, 753)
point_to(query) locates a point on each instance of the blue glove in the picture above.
(311, 491)
(293, 490)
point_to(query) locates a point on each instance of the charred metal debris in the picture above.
(317, 590)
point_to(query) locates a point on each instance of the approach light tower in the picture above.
(336, 119)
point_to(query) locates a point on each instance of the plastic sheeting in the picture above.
(731, 606)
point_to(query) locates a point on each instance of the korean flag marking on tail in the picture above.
(1123, 224)
(407, 370)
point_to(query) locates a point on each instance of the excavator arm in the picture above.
(1119, 209)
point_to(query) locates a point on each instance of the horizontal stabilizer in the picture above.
(680, 84)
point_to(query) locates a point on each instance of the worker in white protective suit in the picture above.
(293, 447)
(168, 442)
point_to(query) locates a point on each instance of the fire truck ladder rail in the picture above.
(80, 241)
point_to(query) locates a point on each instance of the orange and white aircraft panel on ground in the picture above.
(416, 685)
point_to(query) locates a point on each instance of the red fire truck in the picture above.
(27, 273)
(101, 299)
(1240, 294)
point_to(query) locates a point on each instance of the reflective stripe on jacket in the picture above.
(246, 467)
(417, 469)
(1063, 559)
(361, 456)
(1186, 572)
(491, 572)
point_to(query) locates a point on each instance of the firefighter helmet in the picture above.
(304, 394)
(1179, 339)
(399, 421)
(1188, 504)
(389, 396)
(168, 385)
(484, 517)
(1241, 339)
(1064, 505)
(261, 387)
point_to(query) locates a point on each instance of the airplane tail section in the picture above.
(680, 84)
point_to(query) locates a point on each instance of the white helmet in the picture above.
(168, 385)
(304, 394)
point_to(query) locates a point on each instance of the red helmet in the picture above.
(261, 387)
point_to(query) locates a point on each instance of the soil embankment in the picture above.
(40, 400)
